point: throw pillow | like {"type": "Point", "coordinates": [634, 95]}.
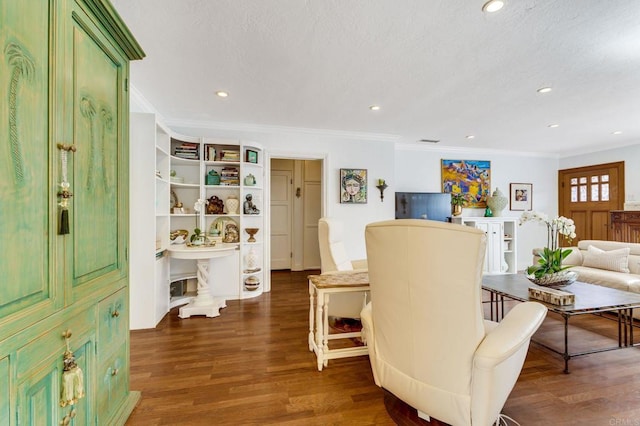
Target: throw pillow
{"type": "Point", "coordinates": [612, 260]}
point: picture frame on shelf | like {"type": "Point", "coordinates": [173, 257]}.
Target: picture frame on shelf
{"type": "Point", "coordinates": [353, 186]}
{"type": "Point", "coordinates": [520, 196]}
{"type": "Point", "coordinates": [251, 156]}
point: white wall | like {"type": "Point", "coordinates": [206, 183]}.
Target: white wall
{"type": "Point", "coordinates": [417, 169]}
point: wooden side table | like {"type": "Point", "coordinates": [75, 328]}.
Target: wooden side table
{"type": "Point", "coordinates": [321, 287]}
{"type": "Point", "coordinates": [204, 303]}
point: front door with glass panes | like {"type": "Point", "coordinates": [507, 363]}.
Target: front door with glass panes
{"type": "Point", "coordinates": [587, 194]}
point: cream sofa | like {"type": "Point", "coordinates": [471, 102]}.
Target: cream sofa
{"type": "Point", "coordinates": [607, 263]}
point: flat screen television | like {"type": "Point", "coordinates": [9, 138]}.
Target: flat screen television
{"type": "Point", "coordinates": [423, 205]}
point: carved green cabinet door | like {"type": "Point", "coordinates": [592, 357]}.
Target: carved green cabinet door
{"type": "Point", "coordinates": [28, 286]}
{"type": "Point", "coordinates": [99, 219]}
{"type": "Point", "coordinates": [38, 399]}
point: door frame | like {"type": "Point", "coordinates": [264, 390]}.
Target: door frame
{"type": "Point", "coordinates": [288, 155]}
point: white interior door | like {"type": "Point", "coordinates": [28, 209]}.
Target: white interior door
{"type": "Point", "coordinates": [281, 206]}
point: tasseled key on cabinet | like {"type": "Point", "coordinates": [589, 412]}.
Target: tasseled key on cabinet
{"type": "Point", "coordinates": [64, 193]}
{"type": "Point", "coordinates": [72, 388]}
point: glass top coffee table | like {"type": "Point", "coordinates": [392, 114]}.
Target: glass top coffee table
{"type": "Point", "coordinates": [589, 299]}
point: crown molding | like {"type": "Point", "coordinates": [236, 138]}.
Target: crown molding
{"type": "Point", "coordinates": [592, 149]}
{"type": "Point", "coordinates": [259, 128]}
{"type": "Point", "coordinates": [137, 98]}
{"type": "Point", "coordinates": [400, 146]}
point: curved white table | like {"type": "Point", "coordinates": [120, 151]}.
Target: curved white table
{"type": "Point", "coordinates": [204, 303]}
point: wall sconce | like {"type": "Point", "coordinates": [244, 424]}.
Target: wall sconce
{"type": "Point", "coordinates": [382, 185]}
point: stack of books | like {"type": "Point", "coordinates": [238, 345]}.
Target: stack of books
{"type": "Point", "coordinates": [187, 150]}
{"type": "Point", "coordinates": [229, 176]}
{"type": "Point", "coordinates": [229, 155]}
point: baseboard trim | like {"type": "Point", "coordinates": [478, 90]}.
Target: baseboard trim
{"type": "Point", "coordinates": [127, 407]}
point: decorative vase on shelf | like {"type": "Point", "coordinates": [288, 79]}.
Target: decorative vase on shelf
{"type": "Point", "coordinates": [232, 204]}
{"type": "Point", "coordinates": [250, 180]}
{"type": "Point", "coordinates": [251, 283]}
{"type": "Point", "coordinates": [497, 202]}
{"type": "Point", "coordinates": [251, 261]}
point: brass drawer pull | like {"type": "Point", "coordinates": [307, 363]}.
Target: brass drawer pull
{"type": "Point", "coordinates": [115, 314]}
{"type": "Point", "coordinates": [114, 372]}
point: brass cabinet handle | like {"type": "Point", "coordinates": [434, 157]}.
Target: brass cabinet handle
{"type": "Point", "coordinates": [114, 372]}
{"type": "Point", "coordinates": [115, 314]}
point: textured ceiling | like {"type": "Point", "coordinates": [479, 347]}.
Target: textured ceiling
{"type": "Point", "coordinates": [439, 69]}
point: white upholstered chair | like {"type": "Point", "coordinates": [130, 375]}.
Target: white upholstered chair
{"type": "Point", "coordinates": [334, 259]}
{"type": "Point", "coordinates": [428, 343]}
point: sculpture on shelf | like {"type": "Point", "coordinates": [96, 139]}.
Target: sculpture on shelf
{"type": "Point", "coordinates": [231, 234]}
{"type": "Point", "coordinates": [249, 207]}
{"type": "Point", "coordinates": [215, 206]}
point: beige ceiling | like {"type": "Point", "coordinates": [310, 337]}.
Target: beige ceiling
{"type": "Point", "coordinates": [439, 69]}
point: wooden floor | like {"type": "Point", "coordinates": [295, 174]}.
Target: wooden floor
{"type": "Point", "coordinates": [252, 366]}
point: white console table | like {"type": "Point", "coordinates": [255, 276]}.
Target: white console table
{"type": "Point", "coordinates": [321, 287]}
{"type": "Point", "coordinates": [204, 303]}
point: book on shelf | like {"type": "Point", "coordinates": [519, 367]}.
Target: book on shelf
{"type": "Point", "coordinates": [187, 150]}
{"type": "Point", "coordinates": [209, 153]}
{"type": "Point", "coordinates": [229, 155]}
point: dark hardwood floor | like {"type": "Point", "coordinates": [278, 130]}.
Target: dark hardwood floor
{"type": "Point", "coordinates": [252, 366]}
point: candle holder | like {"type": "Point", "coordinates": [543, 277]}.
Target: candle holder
{"type": "Point", "coordinates": [382, 187]}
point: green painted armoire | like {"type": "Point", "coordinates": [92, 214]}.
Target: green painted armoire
{"type": "Point", "coordinates": [64, 213]}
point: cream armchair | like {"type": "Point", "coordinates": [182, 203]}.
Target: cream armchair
{"type": "Point", "coordinates": [427, 340]}
{"type": "Point", "coordinates": [334, 259]}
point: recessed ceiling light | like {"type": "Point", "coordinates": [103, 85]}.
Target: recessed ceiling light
{"type": "Point", "coordinates": [553, 126]}
{"type": "Point", "coordinates": [470, 136]}
{"type": "Point", "coordinates": [493, 6]}
{"type": "Point", "coordinates": [544, 90]}
{"type": "Point", "coordinates": [374, 107]}
{"type": "Point", "coordinates": [617, 132]}
{"type": "Point", "coordinates": [222, 93]}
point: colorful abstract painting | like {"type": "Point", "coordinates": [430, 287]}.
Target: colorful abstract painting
{"type": "Point", "coordinates": [472, 178]}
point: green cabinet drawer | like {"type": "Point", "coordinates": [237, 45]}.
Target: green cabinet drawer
{"type": "Point", "coordinates": [51, 343]}
{"type": "Point", "coordinates": [113, 384]}
{"type": "Point", "coordinates": [112, 323]}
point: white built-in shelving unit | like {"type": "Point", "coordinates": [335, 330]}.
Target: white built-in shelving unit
{"type": "Point", "coordinates": [501, 256]}
{"type": "Point", "coordinates": [176, 178]}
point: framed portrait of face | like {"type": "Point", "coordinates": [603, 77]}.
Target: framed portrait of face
{"type": "Point", "coordinates": [353, 186]}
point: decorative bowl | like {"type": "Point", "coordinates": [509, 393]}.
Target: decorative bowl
{"type": "Point", "coordinates": [251, 232]}
{"type": "Point", "coordinates": [558, 279]}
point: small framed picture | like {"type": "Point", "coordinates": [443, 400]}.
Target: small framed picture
{"type": "Point", "coordinates": [353, 186]}
{"type": "Point", "coordinates": [251, 156]}
{"type": "Point", "coordinates": [521, 196]}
